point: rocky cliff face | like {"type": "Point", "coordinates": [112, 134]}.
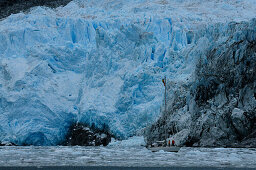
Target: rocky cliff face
{"type": "Point", "coordinates": [83, 135]}
{"type": "Point", "coordinates": [218, 108]}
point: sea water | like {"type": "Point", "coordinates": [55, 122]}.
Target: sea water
{"type": "Point", "coordinates": [126, 156]}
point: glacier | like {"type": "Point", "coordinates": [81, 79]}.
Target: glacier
{"type": "Point", "coordinates": [101, 62]}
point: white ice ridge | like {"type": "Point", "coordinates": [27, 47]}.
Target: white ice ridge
{"type": "Point", "coordinates": [99, 62]}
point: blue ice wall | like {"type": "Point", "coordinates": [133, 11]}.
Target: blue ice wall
{"type": "Point", "coordinates": [56, 69]}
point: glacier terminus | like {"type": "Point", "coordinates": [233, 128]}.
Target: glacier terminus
{"type": "Point", "coordinates": [102, 62]}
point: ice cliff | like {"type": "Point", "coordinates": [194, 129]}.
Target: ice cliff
{"type": "Point", "coordinates": [102, 62]}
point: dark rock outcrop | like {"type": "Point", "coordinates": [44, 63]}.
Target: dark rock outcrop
{"type": "Point", "coordinates": [8, 7]}
{"type": "Point", "coordinates": [81, 135]}
{"type": "Point", "coordinates": [219, 107]}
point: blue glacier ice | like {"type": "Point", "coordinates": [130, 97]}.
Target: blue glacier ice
{"type": "Point", "coordinates": [100, 62]}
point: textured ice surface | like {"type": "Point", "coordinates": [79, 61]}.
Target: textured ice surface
{"type": "Point", "coordinates": [98, 62]}
{"type": "Point", "coordinates": [134, 141]}
{"type": "Point", "coordinates": [132, 156]}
